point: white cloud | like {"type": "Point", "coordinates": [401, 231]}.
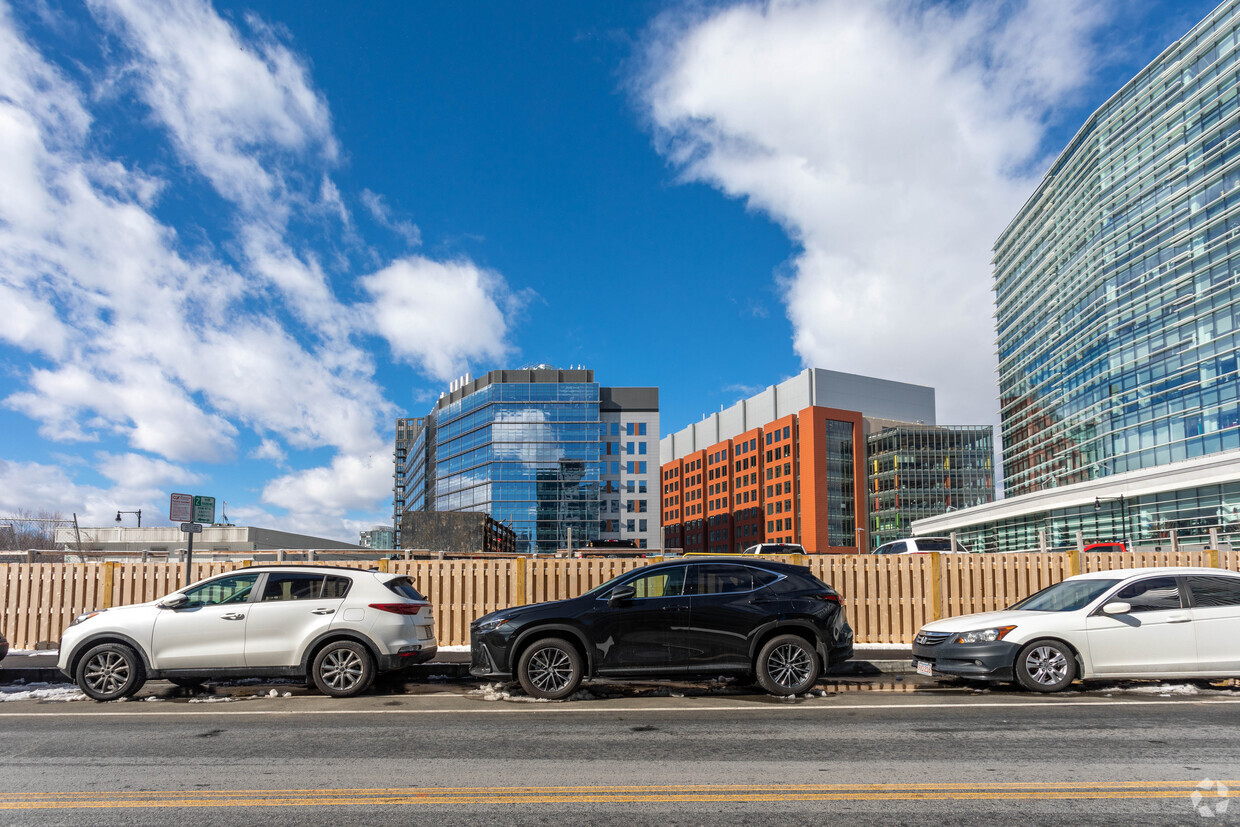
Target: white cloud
{"type": "Point", "coordinates": [382, 213]}
{"type": "Point", "coordinates": [893, 141]}
{"type": "Point", "coordinates": [170, 349]}
{"type": "Point", "coordinates": [441, 316]}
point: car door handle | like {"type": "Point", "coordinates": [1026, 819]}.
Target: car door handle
{"type": "Point", "coordinates": [1178, 619]}
{"type": "Point", "coordinates": [233, 616]}
{"type": "Point", "coordinates": [323, 612]}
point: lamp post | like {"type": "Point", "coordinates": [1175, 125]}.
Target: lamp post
{"type": "Point", "coordinates": [1123, 510]}
{"type": "Point", "coordinates": [138, 513]}
{"type": "Point", "coordinates": [860, 540]}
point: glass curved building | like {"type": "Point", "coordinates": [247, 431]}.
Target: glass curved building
{"type": "Point", "coordinates": [1118, 283]}
{"type": "Point", "coordinates": [1118, 316]}
{"type": "Point", "coordinates": [546, 452]}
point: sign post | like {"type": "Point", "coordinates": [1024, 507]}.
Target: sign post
{"type": "Point", "coordinates": [189, 511]}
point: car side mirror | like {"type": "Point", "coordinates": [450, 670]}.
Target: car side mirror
{"type": "Point", "coordinates": [621, 594]}
{"type": "Point", "coordinates": [173, 601]}
{"type": "Point", "coordinates": [1117, 608]}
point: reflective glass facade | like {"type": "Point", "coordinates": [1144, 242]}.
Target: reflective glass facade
{"type": "Point", "coordinates": [1118, 284]}
{"type": "Point", "coordinates": [841, 500]}
{"type": "Point", "coordinates": [543, 451]}
{"type": "Point", "coordinates": [1143, 521]}
{"type": "Point", "coordinates": [918, 472]}
{"type": "Point", "coordinates": [528, 455]}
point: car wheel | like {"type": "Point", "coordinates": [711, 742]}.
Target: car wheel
{"type": "Point", "coordinates": [343, 669]}
{"type": "Point", "coordinates": [1045, 666]}
{"type": "Point", "coordinates": [550, 668]}
{"type": "Point", "coordinates": [110, 671]}
{"type": "Point", "coordinates": [787, 665]}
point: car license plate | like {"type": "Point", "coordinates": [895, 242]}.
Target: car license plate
{"type": "Point", "coordinates": [924, 667]}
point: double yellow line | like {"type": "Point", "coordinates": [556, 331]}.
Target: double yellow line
{"type": "Point", "coordinates": [659, 794]}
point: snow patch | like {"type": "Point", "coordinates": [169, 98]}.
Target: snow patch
{"type": "Point", "coordinates": [213, 699]}
{"type": "Point", "coordinates": [42, 692]}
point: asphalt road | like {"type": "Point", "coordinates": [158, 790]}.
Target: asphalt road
{"type": "Point", "coordinates": [891, 752]}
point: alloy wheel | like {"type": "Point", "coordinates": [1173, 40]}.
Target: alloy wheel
{"type": "Point", "coordinates": [789, 665]}
{"type": "Point", "coordinates": [550, 669]}
{"type": "Point", "coordinates": [1046, 665]}
{"type": "Point", "coordinates": [107, 672]}
{"type": "Point", "coordinates": [342, 669]}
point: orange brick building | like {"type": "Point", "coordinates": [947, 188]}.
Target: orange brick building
{"type": "Point", "coordinates": [797, 479]}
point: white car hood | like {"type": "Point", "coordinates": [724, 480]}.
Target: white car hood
{"type": "Point", "coordinates": [983, 620]}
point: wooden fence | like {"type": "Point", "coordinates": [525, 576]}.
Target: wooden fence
{"type": "Point", "coordinates": [887, 598]}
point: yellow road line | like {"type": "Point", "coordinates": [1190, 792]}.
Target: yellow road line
{"type": "Point", "coordinates": [742, 793]}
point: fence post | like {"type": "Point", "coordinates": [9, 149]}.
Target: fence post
{"type": "Point", "coordinates": [1042, 541]}
{"type": "Point", "coordinates": [1074, 562]}
{"type": "Point", "coordinates": [109, 577]}
{"type": "Point", "coordinates": [1213, 559]}
{"type": "Point", "coordinates": [520, 564]}
{"type": "Point", "coordinates": [952, 537]}
{"type": "Point", "coordinates": [1214, 537]}
{"type": "Point", "coordinates": [383, 565]}
{"type": "Point", "coordinates": [1175, 542]}
{"type": "Point", "coordinates": [936, 585]}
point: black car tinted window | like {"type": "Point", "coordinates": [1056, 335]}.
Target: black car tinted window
{"type": "Point", "coordinates": [720, 579]}
{"type": "Point", "coordinates": [934, 545]}
{"type": "Point", "coordinates": [660, 583]}
{"type": "Point", "coordinates": [1215, 590]}
{"type": "Point", "coordinates": [402, 586]}
{"type": "Point", "coordinates": [762, 577]}
{"type": "Point", "coordinates": [1151, 595]}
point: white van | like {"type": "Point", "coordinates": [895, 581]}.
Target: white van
{"type": "Point", "coordinates": [921, 545]}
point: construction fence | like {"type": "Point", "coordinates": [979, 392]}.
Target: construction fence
{"type": "Point", "coordinates": [887, 598]}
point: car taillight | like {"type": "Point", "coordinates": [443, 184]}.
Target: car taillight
{"type": "Point", "coordinates": [399, 608]}
{"type": "Point", "coordinates": [830, 597]}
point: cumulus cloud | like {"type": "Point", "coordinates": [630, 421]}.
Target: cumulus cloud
{"type": "Point", "coordinates": [441, 316]}
{"type": "Point", "coordinates": [174, 349]}
{"type": "Point", "coordinates": [893, 141]}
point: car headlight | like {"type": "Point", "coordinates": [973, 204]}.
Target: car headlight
{"type": "Point", "coordinates": [86, 616]}
{"type": "Point", "coordinates": [983, 635]}
{"type": "Point", "coordinates": [487, 624]}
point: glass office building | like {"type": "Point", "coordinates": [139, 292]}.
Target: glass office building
{"type": "Point", "coordinates": [1118, 283]}
{"type": "Point", "coordinates": [1118, 315]}
{"type": "Point", "coordinates": [531, 448]}
{"type": "Point", "coordinates": [921, 471]}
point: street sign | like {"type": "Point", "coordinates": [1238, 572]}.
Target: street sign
{"type": "Point", "coordinates": [191, 528]}
{"type": "Point", "coordinates": [182, 508]}
{"type": "Point", "coordinates": [204, 509]}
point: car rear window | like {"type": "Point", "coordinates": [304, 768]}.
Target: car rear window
{"type": "Point", "coordinates": [404, 587]}
{"type": "Point", "coordinates": [934, 545]}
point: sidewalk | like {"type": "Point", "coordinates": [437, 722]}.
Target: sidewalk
{"type": "Point", "coordinates": [40, 667]}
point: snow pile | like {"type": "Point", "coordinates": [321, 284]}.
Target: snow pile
{"type": "Point", "coordinates": [42, 692]}
{"type": "Point", "coordinates": [499, 692]}
{"type": "Point", "coordinates": [212, 699]}
{"type": "Point", "coordinates": [1165, 690]}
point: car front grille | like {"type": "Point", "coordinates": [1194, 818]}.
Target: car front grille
{"type": "Point", "coordinates": [931, 638]}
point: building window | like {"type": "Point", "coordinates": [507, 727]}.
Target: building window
{"type": "Point", "coordinates": [641, 448]}
{"type": "Point", "coordinates": [641, 428]}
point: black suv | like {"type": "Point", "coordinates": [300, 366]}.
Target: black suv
{"type": "Point", "coordinates": [708, 616]}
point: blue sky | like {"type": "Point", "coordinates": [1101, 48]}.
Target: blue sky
{"type": "Point", "coordinates": [238, 239]}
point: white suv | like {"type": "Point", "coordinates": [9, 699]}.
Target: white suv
{"type": "Point", "coordinates": [337, 627]}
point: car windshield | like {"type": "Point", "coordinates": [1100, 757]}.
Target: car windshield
{"type": "Point", "coordinates": [1067, 596]}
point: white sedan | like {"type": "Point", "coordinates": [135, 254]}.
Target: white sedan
{"type": "Point", "coordinates": [1132, 623]}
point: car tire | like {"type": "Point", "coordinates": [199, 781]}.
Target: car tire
{"type": "Point", "coordinates": [1045, 666]}
{"type": "Point", "coordinates": [787, 665]}
{"type": "Point", "coordinates": [109, 672]}
{"type": "Point", "coordinates": [550, 668]}
{"type": "Point", "coordinates": [343, 668]}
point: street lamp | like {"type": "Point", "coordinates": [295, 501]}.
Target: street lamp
{"type": "Point", "coordinates": [1123, 510]}
{"type": "Point", "coordinates": [138, 513]}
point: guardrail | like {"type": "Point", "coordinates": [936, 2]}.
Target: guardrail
{"type": "Point", "coordinates": [887, 598]}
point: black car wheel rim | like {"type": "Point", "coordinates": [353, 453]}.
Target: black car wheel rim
{"type": "Point", "coordinates": [550, 670]}
{"type": "Point", "coordinates": [342, 669]}
{"type": "Point", "coordinates": [107, 672]}
{"type": "Point", "coordinates": [1046, 665]}
{"type": "Point", "coordinates": [789, 665]}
